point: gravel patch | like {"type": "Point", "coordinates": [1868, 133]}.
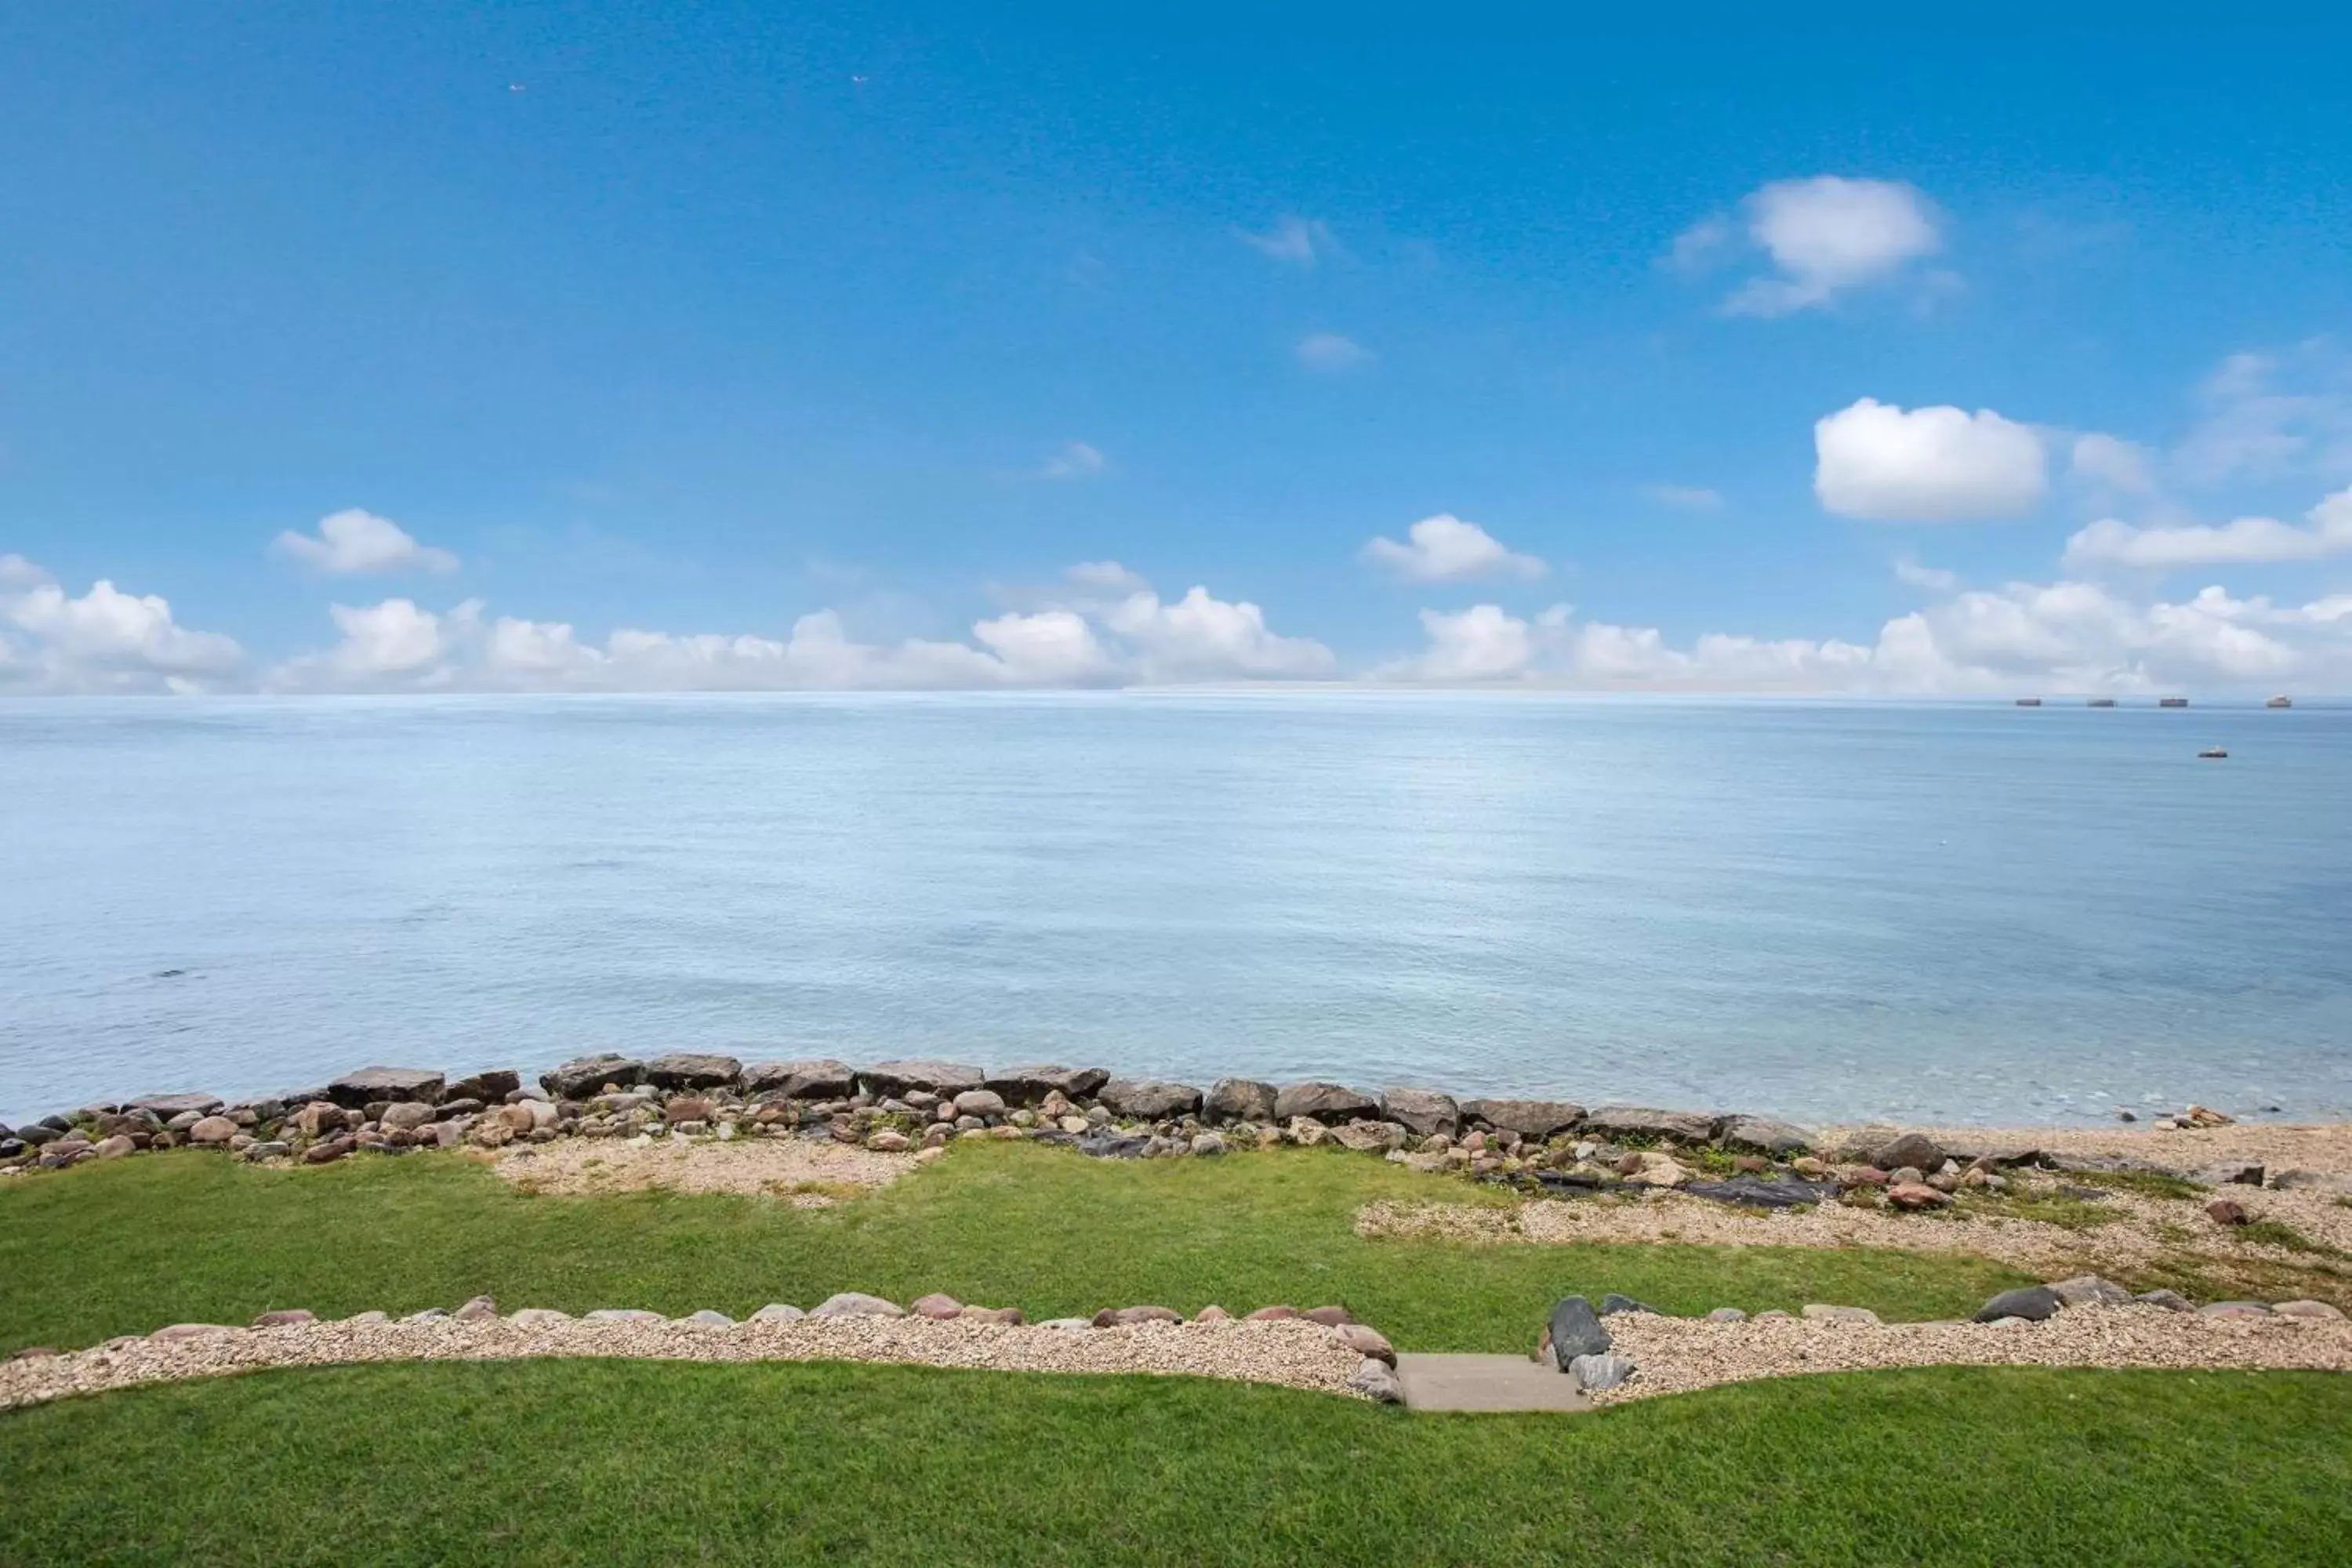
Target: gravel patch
{"type": "Point", "coordinates": [2317, 1148]}
{"type": "Point", "coordinates": [1675, 1355]}
{"type": "Point", "coordinates": [1294, 1354]}
{"type": "Point", "coordinates": [806, 1173]}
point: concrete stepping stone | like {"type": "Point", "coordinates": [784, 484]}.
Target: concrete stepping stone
{"type": "Point", "coordinates": [1486, 1382]}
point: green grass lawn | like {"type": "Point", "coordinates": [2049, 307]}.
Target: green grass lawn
{"type": "Point", "coordinates": [628, 1462]}
{"type": "Point", "coordinates": [128, 1245]}
{"type": "Point", "coordinates": [580, 1461]}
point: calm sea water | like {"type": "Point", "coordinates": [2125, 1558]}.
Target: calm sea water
{"type": "Point", "coordinates": [1821, 910]}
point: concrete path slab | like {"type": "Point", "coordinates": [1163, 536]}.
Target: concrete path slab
{"type": "Point", "coordinates": [1486, 1382]}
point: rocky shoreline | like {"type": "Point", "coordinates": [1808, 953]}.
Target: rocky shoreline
{"type": "Point", "coordinates": [1556, 1147]}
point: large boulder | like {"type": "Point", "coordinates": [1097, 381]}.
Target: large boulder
{"type": "Point", "coordinates": [1536, 1118]}
{"type": "Point", "coordinates": [886, 1080]}
{"type": "Point", "coordinates": [1614, 1122]}
{"type": "Point", "coordinates": [2034, 1303]}
{"type": "Point", "coordinates": [857, 1304]}
{"type": "Point", "coordinates": [1030, 1084]}
{"type": "Point", "coordinates": [693, 1069]}
{"type": "Point", "coordinates": [1915, 1150]}
{"type": "Point", "coordinates": [1575, 1329]}
{"type": "Point", "coordinates": [356, 1090]}
{"type": "Point", "coordinates": [213, 1132]}
{"type": "Point", "coordinates": [1148, 1100]}
{"type": "Point", "coordinates": [816, 1079]}
{"type": "Point", "coordinates": [1328, 1102]}
{"type": "Point", "coordinates": [166, 1106]}
{"type": "Point", "coordinates": [583, 1076]}
{"type": "Point", "coordinates": [1762, 1135]}
{"type": "Point", "coordinates": [1420, 1111]}
{"type": "Point", "coordinates": [1240, 1099]}
{"type": "Point", "coordinates": [490, 1086]}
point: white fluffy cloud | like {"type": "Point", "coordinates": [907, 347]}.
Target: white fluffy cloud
{"type": "Point", "coordinates": [1446, 548]}
{"type": "Point", "coordinates": [352, 542]}
{"type": "Point", "coordinates": [1825, 236]}
{"type": "Point", "coordinates": [1935, 579]}
{"type": "Point", "coordinates": [2249, 541]}
{"type": "Point", "coordinates": [1331, 352]}
{"type": "Point", "coordinates": [2025, 637]}
{"type": "Point", "coordinates": [1877, 461]}
{"type": "Point", "coordinates": [2263, 416]}
{"type": "Point", "coordinates": [1202, 638]}
{"type": "Point", "coordinates": [106, 640]}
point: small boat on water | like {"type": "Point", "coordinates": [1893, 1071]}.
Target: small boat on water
{"type": "Point", "coordinates": [2279, 702]}
{"type": "Point", "coordinates": [2029, 702]}
{"type": "Point", "coordinates": [2213, 753]}
{"type": "Point", "coordinates": [2102, 702]}
{"type": "Point", "coordinates": [2172, 703]}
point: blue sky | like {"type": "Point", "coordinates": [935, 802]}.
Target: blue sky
{"type": "Point", "coordinates": [695, 322]}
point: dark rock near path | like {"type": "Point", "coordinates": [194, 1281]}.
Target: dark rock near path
{"type": "Point", "coordinates": [1536, 1118]}
{"type": "Point", "coordinates": [494, 1083]}
{"type": "Point", "coordinates": [885, 1079]}
{"type": "Point", "coordinates": [1762, 1135]}
{"type": "Point", "coordinates": [1149, 1098]}
{"type": "Point", "coordinates": [38, 1134]}
{"type": "Point", "coordinates": [693, 1069]}
{"type": "Point", "coordinates": [1328, 1102]}
{"type": "Point", "coordinates": [1913, 1149]}
{"type": "Point", "coordinates": [2170, 1300]}
{"type": "Point", "coordinates": [1031, 1084]}
{"type": "Point", "coordinates": [819, 1077]}
{"type": "Point", "coordinates": [1641, 1122]}
{"type": "Point", "coordinates": [1240, 1099]}
{"type": "Point", "coordinates": [1575, 1329]}
{"type": "Point", "coordinates": [2034, 1303]}
{"type": "Point", "coordinates": [166, 1106]}
{"type": "Point", "coordinates": [1568, 1182]}
{"type": "Point", "coordinates": [1422, 1111]}
{"type": "Point", "coordinates": [583, 1076]}
{"type": "Point", "coordinates": [353, 1090]}
{"type": "Point", "coordinates": [1613, 1303]}
{"type": "Point", "coordinates": [1756, 1193]}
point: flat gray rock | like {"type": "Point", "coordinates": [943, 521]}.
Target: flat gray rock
{"type": "Point", "coordinates": [1576, 1330]}
{"type": "Point", "coordinates": [1536, 1118]}
{"type": "Point", "coordinates": [1240, 1099]}
{"type": "Point", "coordinates": [1423, 1112]}
{"type": "Point", "coordinates": [489, 1086]}
{"type": "Point", "coordinates": [1148, 1100]}
{"type": "Point", "coordinates": [356, 1090]}
{"type": "Point", "coordinates": [1762, 1135]}
{"type": "Point", "coordinates": [857, 1304]}
{"type": "Point", "coordinates": [1323, 1102]}
{"type": "Point", "coordinates": [819, 1077]}
{"type": "Point", "coordinates": [583, 1076]}
{"type": "Point", "coordinates": [885, 1079]}
{"type": "Point", "coordinates": [1599, 1373]}
{"type": "Point", "coordinates": [1028, 1085]}
{"type": "Point", "coordinates": [1642, 1122]}
{"type": "Point", "coordinates": [2034, 1303]}
{"type": "Point", "coordinates": [693, 1069]}
{"type": "Point", "coordinates": [166, 1106]}
{"type": "Point", "coordinates": [1484, 1383]}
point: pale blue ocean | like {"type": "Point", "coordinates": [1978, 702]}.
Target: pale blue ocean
{"type": "Point", "coordinates": [1933, 913]}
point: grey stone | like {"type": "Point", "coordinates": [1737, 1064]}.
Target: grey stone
{"type": "Point", "coordinates": [1028, 1085]}
{"type": "Point", "coordinates": [693, 1069]}
{"type": "Point", "coordinates": [1536, 1118]}
{"type": "Point", "coordinates": [2313, 1311]}
{"type": "Point", "coordinates": [37, 1134]}
{"type": "Point", "coordinates": [2089, 1289]}
{"type": "Point", "coordinates": [1914, 1149]}
{"type": "Point", "coordinates": [980, 1102]}
{"type": "Point", "coordinates": [353, 1090]}
{"type": "Point", "coordinates": [1575, 1329]}
{"type": "Point", "coordinates": [624, 1315]}
{"type": "Point", "coordinates": [1370, 1137]}
{"type": "Point", "coordinates": [1726, 1315]}
{"type": "Point", "coordinates": [213, 1132]}
{"type": "Point", "coordinates": [819, 1077]}
{"type": "Point", "coordinates": [491, 1083]}
{"type": "Point", "coordinates": [1762, 1135]}
{"type": "Point", "coordinates": [165, 1106]}
{"type": "Point", "coordinates": [2170, 1300]}
{"type": "Point", "coordinates": [477, 1309]}
{"type": "Point", "coordinates": [2235, 1310]}
{"type": "Point", "coordinates": [1643, 1122]}
{"type": "Point", "coordinates": [938, 1078]}
{"type": "Point", "coordinates": [1423, 1111]}
{"type": "Point", "coordinates": [583, 1076]}
{"type": "Point", "coordinates": [269, 1150]}
{"type": "Point", "coordinates": [2302, 1181]}
{"type": "Point", "coordinates": [1818, 1312]}
{"type": "Point", "coordinates": [857, 1304]}
{"type": "Point", "coordinates": [2234, 1173]}
{"type": "Point", "coordinates": [777, 1312]}
{"type": "Point", "coordinates": [1323, 1102]}
{"type": "Point", "coordinates": [1150, 1100]}
{"type": "Point", "coordinates": [1375, 1379]}
{"type": "Point", "coordinates": [406, 1116]}
{"type": "Point", "coordinates": [2034, 1303]}
{"type": "Point", "coordinates": [1208, 1143]}
{"type": "Point", "coordinates": [1613, 1303]}
{"type": "Point", "coordinates": [1598, 1374]}
{"type": "Point", "coordinates": [708, 1319]}
{"type": "Point", "coordinates": [1241, 1100]}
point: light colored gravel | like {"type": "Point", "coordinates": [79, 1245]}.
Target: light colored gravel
{"type": "Point", "coordinates": [1295, 1353]}
{"type": "Point", "coordinates": [1675, 1355]}
{"type": "Point", "coordinates": [2142, 1230]}
{"type": "Point", "coordinates": [805, 1172]}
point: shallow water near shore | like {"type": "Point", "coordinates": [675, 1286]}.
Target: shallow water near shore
{"type": "Point", "coordinates": [1828, 910]}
